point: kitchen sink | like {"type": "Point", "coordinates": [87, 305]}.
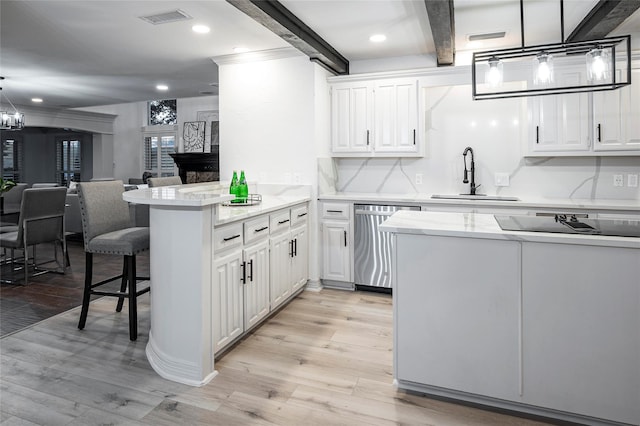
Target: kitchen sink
{"type": "Point", "coordinates": [474, 197]}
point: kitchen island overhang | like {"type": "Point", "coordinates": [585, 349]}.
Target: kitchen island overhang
{"type": "Point", "coordinates": [182, 223]}
{"type": "Point", "coordinates": [539, 323]}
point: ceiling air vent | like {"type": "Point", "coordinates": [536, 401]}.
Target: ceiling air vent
{"type": "Point", "coordinates": [166, 17]}
{"type": "Point", "coordinates": [486, 36]}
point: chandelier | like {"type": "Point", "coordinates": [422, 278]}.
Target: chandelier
{"type": "Point", "coordinates": [602, 64]}
{"type": "Point", "coordinates": [10, 120]}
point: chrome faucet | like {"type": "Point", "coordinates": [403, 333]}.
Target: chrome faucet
{"type": "Point", "coordinates": [465, 179]}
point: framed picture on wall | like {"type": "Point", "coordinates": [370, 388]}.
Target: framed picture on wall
{"type": "Point", "coordinates": [193, 136]}
{"type": "Point", "coordinates": [211, 118]}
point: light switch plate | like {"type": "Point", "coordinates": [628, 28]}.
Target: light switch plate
{"type": "Point", "coordinates": [632, 180]}
{"type": "Point", "coordinates": [618, 180]}
{"type": "Point", "coordinates": [501, 179]}
{"type": "Point", "coordinates": [418, 178]}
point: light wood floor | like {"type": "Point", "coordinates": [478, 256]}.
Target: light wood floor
{"type": "Point", "coordinates": [326, 359]}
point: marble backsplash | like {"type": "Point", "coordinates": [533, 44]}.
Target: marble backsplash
{"type": "Point", "coordinates": [575, 178]}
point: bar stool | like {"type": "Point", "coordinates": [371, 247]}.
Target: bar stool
{"type": "Point", "coordinates": [164, 181]}
{"type": "Point", "coordinates": [107, 229]}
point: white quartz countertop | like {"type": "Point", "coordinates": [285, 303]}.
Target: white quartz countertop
{"type": "Point", "coordinates": [524, 202]}
{"type": "Point", "coordinates": [194, 195]}
{"type": "Point", "coordinates": [270, 203]}
{"type": "Point", "coordinates": [480, 225]}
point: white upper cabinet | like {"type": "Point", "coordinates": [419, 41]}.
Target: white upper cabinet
{"type": "Point", "coordinates": [396, 116]}
{"type": "Point", "coordinates": [586, 124]}
{"type": "Point", "coordinates": [616, 117]}
{"type": "Point", "coordinates": [351, 117]}
{"type": "Point", "coordinates": [375, 118]}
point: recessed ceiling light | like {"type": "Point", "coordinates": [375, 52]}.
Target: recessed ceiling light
{"type": "Point", "coordinates": [36, 100]}
{"type": "Point", "coordinates": [162, 87]}
{"type": "Point", "coordinates": [240, 49]}
{"type": "Point", "coordinates": [200, 29]}
{"type": "Point", "coordinates": [378, 38]}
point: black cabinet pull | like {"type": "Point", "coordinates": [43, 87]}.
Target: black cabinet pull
{"type": "Point", "coordinates": [333, 211]}
{"type": "Point", "coordinates": [231, 238]}
{"type": "Point", "coordinates": [295, 247]}
{"type": "Point", "coordinates": [290, 248]}
{"type": "Point", "coordinates": [243, 280]}
{"type": "Point", "coordinates": [251, 270]}
{"type": "Point", "coordinates": [367, 137]}
{"type": "Point", "coordinates": [261, 229]}
{"type": "Point", "coordinates": [280, 222]}
{"type": "Point", "coordinates": [345, 238]}
{"type": "Point", "coordinates": [304, 214]}
{"type": "Point", "coordinates": [599, 133]}
{"type": "Point", "coordinates": [537, 134]}
{"type": "Point", "coordinates": [414, 136]}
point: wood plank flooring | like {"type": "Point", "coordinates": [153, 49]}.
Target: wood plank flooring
{"type": "Point", "coordinates": [50, 294]}
{"type": "Point", "coordinates": [325, 359]}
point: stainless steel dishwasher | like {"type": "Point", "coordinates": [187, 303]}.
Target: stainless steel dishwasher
{"type": "Point", "coordinates": [372, 248]}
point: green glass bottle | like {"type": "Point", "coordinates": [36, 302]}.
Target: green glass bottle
{"type": "Point", "coordinates": [243, 189]}
{"type": "Point", "coordinates": [233, 188]}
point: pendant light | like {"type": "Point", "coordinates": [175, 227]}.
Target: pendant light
{"type": "Point", "coordinates": [10, 120]}
{"type": "Point", "coordinates": [542, 68]}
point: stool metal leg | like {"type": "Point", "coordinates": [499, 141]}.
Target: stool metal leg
{"type": "Point", "coordinates": [123, 285]}
{"type": "Point", "coordinates": [86, 296]}
{"type": "Point", "coordinates": [133, 312]}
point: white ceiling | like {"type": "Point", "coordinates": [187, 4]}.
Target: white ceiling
{"type": "Point", "coordinates": [87, 53]}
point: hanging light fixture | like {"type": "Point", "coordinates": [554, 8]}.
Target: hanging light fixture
{"type": "Point", "coordinates": [608, 66]}
{"type": "Point", "coordinates": [10, 120]}
{"type": "Point", "coordinates": [494, 74]}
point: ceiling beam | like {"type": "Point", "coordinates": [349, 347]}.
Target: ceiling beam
{"type": "Point", "coordinates": [443, 29]}
{"type": "Point", "coordinates": [273, 15]}
{"type": "Point", "coordinates": [605, 17]}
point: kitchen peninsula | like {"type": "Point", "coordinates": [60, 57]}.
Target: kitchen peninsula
{"type": "Point", "coordinates": [536, 322]}
{"type": "Point", "coordinates": [199, 298]}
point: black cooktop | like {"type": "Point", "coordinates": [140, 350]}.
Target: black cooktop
{"type": "Point", "coordinates": [567, 224]}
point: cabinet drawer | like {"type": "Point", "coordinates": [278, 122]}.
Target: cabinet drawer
{"type": "Point", "coordinates": [335, 211]}
{"type": "Point", "coordinates": [256, 229]}
{"type": "Point", "coordinates": [299, 215]}
{"type": "Point", "coordinates": [227, 236]}
{"type": "Point", "coordinates": [279, 221]}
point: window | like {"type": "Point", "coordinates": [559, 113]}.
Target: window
{"type": "Point", "coordinates": [68, 160]}
{"type": "Point", "coordinates": [11, 158]}
{"type": "Point", "coordinates": [163, 112]}
{"type": "Point", "coordinates": [157, 147]}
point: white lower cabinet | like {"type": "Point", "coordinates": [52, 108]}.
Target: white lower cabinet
{"type": "Point", "coordinates": [256, 283]}
{"type": "Point", "coordinates": [456, 323]}
{"type": "Point", "coordinates": [581, 316]}
{"type": "Point", "coordinates": [258, 265]}
{"type": "Point", "coordinates": [227, 300]}
{"type": "Point", "coordinates": [336, 228]}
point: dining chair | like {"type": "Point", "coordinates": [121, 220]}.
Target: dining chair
{"type": "Point", "coordinates": [41, 220]}
{"type": "Point", "coordinates": [106, 226]}
{"type": "Point", "coordinates": [164, 181]}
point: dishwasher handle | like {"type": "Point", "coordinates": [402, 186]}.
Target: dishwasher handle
{"type": "Point", "coordinates": [374, 213]}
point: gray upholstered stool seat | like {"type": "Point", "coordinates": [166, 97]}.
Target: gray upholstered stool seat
{"type": "Point", "coordinates": [106, 228]}
{"type": "Point", "coordinates": [8, 228]}
{"type": "Point", "coordinates": [125, 242]}
{"type": "Point", "coordinates": [164, 181]}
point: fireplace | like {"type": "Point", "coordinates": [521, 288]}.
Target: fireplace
{"type": "Point", "coordinates": [195, 167]}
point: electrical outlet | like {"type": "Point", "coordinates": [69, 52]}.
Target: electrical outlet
{"type": "Point", "coordinates": [618, 180]}
{"type": "Point", "coordinates": [296, 178]}
{"type": "Point", "coordinates": [418, 178]}
{"type": "Point", "coordinates": [501, 179]}
{"type": "Point", "coordinates": [632, 180]}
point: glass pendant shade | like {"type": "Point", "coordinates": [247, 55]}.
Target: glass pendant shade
{"type": "Point", "coordinates": [598, 68]}
{"type": "Point", "coordinates": [543, 69]}
{"type": "Point", "coordinates": [494, 74]}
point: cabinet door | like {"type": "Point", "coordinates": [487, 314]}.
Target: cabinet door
{"type": "Point", "coordinates": [616, 117]}
{"type": "Point", "coordinates": [256, 288]}
{"type": "Point", "coordinates": [335, 251]}
{"type": "Point", "coordinates": [300, 238]}
{"type": "Point", "coordinates": [580, 322]}
{"type": "Point", "coordinates": [351, 117]}
{"type": "Point", "coordinates": [396, 116]}
{"type": "Point", "coordinates": [560, 122]}
{"type": "Point", "coordinates": [280, 269]}
{"type": "Point", "coordinates": [227, 320]}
